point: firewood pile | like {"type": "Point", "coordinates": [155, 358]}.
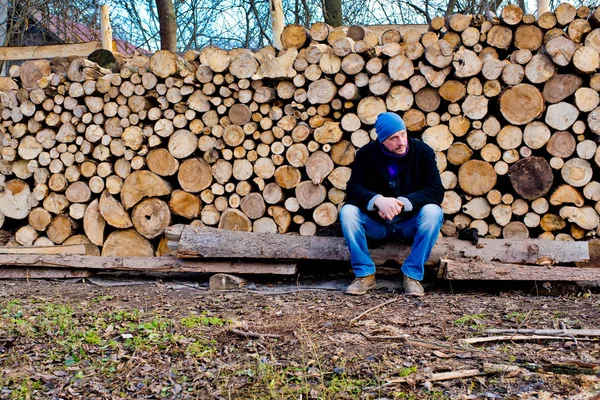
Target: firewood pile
{"type": "Point", "coordinates": [262, 141]}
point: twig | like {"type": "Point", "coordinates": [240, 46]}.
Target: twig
{"type": "Point", "coordinates": [414, 342]}
{"type": "Point", "coordinates": [487, 369]}
{"type": "Point", "coordinates": [373, 309]}
{"type": "Point", "coordinates": [523, 322]}
{"type": "Point", "coordinates": [253, 335]}
{"type": "Point", "coordinates": [515, 338]}
{"type": "Point", "coordinates": [551, 332]}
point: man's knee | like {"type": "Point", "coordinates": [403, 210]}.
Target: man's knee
{"type": "Point", "coordinates": [431, 216]}
{"type": "Point", "coordinates": [349, 215]}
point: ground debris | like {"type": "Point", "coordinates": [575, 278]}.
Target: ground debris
{"type": "Point", "coordinates": [78, 340]}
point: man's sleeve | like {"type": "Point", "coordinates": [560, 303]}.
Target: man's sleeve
{"type": "Point", "coordinates": [433, 190]}
{"type": "Point", "coordinates": [356, 190]}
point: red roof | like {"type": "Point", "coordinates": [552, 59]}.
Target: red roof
{"type": "Point", "coordinates": [74, 32]}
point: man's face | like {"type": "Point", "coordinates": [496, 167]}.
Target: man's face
{"type": "Point", "coordinates": [397, 143]}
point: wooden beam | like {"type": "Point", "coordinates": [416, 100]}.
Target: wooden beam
{"type": "Point", "coordinates": [49, 51]}
{"type": "Point", "coordinates": [216, 243]}
{"type": "Point", "coordinates": [147, 264]}
{"type": "Point", "coordinates": [81, 249]}
{"type": "Point", "coordinates": [494, 271]}
{"type": "Point", "coordinates": [42, 273]}
{"type": "Point", "coordinates": [107, 41]}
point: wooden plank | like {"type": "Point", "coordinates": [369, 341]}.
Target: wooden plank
{"type": "Point", "coordinates": [148, 264]}
{"type": "Point", "coordinates": [68, 249]}
{"type": "Point", "coordinates": [42, 273]}
{"type": "Point", "coordinates": [49, 51]}
{"type": "Point", "coordinates": [594, 261]}
{"type": "Point", "coordinates": [198, 242]}
{"type": "Point", "coordinates": [493, 271]}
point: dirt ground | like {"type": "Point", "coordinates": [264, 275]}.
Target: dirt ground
{"type": "Point", "coordinates": [173, 338]}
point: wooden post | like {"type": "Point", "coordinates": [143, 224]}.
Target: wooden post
{"type": "Point", "coordinates": [3, 31]}
{"type": "Point", "coordinates": [277, 21]}
{"type": "Point", "coordinates": [542, 7]}
{"type": "Point", "coordinates": [107, 43]}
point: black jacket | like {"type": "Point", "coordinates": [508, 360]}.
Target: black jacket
{"type": "Point", "coordinates": [419, 181]}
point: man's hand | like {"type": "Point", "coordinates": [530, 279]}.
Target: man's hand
{"type": "Point", "coordinates": [388, 207]}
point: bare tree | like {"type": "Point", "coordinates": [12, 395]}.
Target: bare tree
{"type": "Point", "coordinates": [332, 9]}
{"type": "Point", "coordinates": [168, 24]}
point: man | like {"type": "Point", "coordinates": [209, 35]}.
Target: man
{"type": "Point", "coordinates": [394, 191]}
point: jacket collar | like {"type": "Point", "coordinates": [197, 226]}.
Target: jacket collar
{"type": "Point", "coordinates": [381, 157]}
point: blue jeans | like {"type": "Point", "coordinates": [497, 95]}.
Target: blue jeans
{"type": "Point", "coordinates": [423, 227]}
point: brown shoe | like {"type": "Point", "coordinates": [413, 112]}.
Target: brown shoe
{"type": "Point", "coordinates": [362, 285]}
{"type": "Point", "coordinates": [413, 287]}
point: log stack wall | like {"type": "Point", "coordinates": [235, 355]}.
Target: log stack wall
{"type": "Point", "coordinates": [262, 141]}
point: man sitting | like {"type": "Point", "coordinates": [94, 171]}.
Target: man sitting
{"type": "Point", "coordinates": [395, 191]}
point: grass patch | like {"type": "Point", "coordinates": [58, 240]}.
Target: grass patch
{"type": "Point", "coordinates": [473, 321]}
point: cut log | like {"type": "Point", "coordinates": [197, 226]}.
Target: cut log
{"type": "Point", "coordinates": [529, 37]}
{"type": "Point", "coordinates": [452, 91]}
{"type": "Point", "coordinates": [561, 116]}
{"type": "Point", "coordinates": [325, 214]}
{"type": "Point", "coordinates": [561, 86]}
{"type": "Point", "coordinates": [14, 199]}
{"type": "Point", "coordinates": [142, 184]}
{"type": "Point", "coordinates": [552, 222]}
{"type": "Point", "coordinates": [539, 69]}
{"type": "Point", "coordinates": [113, 212]}
{"type": "Point", "coordinates": [60, 229]}
{"type": "Point", "coordinates": [585, 217]}
{"type": "Point", "coordinates": [321, 91]}
{"type": "Point", "coordinates": [493, 271]}
{"type": "Point", "coordinates": [476, 177]}
{"type": "Point", "coordinates": [94, 223]}
{"type": "Point", "coordinates": [400, 68]}
{"type": "Point", "coordinates": [318, 166]}
{"type": "Point", "coordinates": [161, 162]}
{"type": "Point", "coordinates": [536, 135]}
{"type": "Point", "coordinates": [576, 172]}
{"type": "Point", "coordinates": [586, 59]}
{"type": "Point", "coordinates": [150, 217]}
{"type": "Point", "coordinates": [235, 220]}
{"type": "Point", "coordinates": [500, 37]}
{"type": "Point", "coordinates": [309, 195]}
{"type": "Point", "coordinates": [521, 104]}
{"type": "Point", "coordinates": [164, 64]}
{"type": "Point", "coordinates": [566, 194]}
{"type": "Point", "coordinates": [213, 243]}
{"type": "Point", "coordinates": [561, 50]}
{"type": "Point", "coordinates": [427, 99]}
{"type": "Point", "coordinates": [466, 63]}
{"type": "Point", "coordinates": [438, 137]}
{"type": "Point", "coordinates": [294, 36]}
{"type": "Point", "coordinates": [586, 99]}
{"type": "Point", "coordinates": [125, 243]}
{"type": "Point", "coordinates": [515, 230]}
{"type": "Point", "coordinates": [531, 177]}
{"type": "Point", "coordinates": [194, 175]}
{"type": "Point", "coordinates": [561, 144]}
{"type": "Point", "coordinates": [82, 69]}
{"type": "Point", "coordinates": [253, 205]}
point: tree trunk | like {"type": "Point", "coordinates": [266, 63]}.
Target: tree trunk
{"type": "Point", "coordinates": [332, 10]}
{"type": "Point", "coordinates": [168, 25]}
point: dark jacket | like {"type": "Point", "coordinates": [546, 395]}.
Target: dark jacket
{"type": "Point", "coordinates": [419, 179]}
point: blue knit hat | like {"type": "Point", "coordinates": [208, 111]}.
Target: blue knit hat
{"type": "Point", "coordinates": [387, 124]}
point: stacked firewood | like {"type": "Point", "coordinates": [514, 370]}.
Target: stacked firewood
{"type": "Point", "coordinates": [263, 140]}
